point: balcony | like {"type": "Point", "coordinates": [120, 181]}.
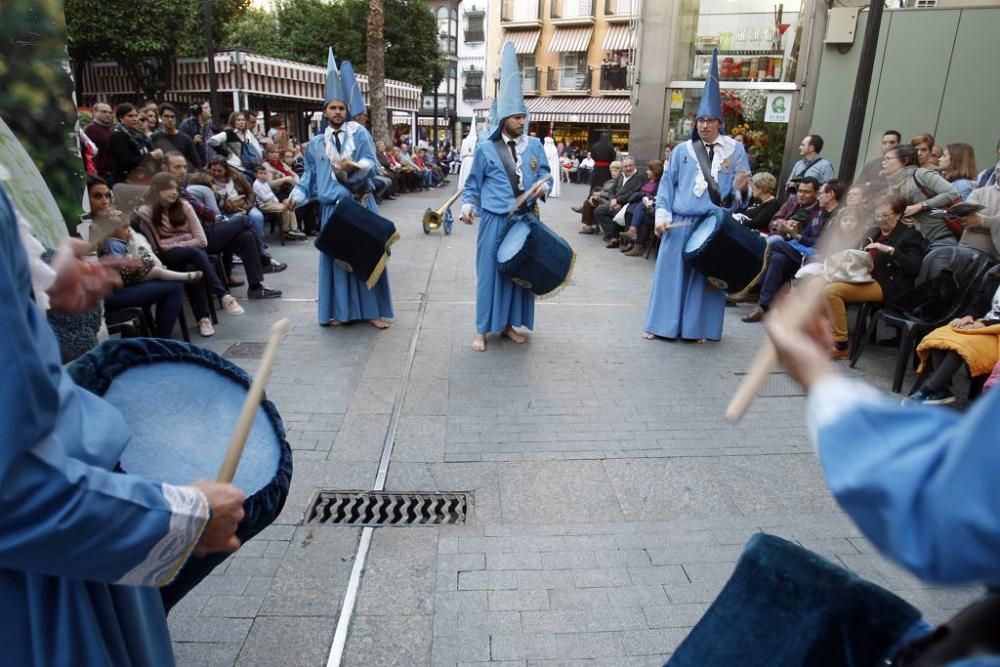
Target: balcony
{"type": "Point", "coordinates": [521, 13]}
{"type": "Point", "coordinates": [475, 36]}
{"type": "Point", "coordinates": [568, 81]}
{"type": "Point", "coordinates": [620, 11]}
{"type": "Point", "coordinates": [472, 93]}
{"type": "Point", "coordinates": [529, 76]}
{"type": "Point", "coordinates": [572, 12]}
{"type": "Point", "coordinates": [614, 80]}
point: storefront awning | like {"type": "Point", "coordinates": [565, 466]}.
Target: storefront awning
{"type": "Point", "coordinates": [566, 40]}
{"type": "Point", "coordinates": [619, 38]}
{"type": "Point", "coordinates": [594, 110]}
{"type": "Point", "coordinates": [423, 121]}
{"type": "Point", "coordinates": [525, 41]}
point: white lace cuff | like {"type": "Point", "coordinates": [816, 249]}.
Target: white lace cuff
{"type": "Point", "coordinates": [832, 397]}
{"type": "Point", "coordinates": [663, 216]}
{"type": "Point", "coordinates": [190, 514]}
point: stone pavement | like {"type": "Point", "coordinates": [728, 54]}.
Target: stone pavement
{"type": "Point", "coordinates": [609, 499]}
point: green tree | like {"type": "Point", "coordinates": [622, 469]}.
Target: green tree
{"type": "Point", "coordinates": [143, 38]}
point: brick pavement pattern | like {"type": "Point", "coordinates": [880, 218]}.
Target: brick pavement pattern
{"type": "Point", "coordinates": [609, 499]}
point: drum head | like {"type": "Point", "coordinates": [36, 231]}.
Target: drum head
{"type": "Point", "coordinates": [701, 235]}
{"type": "Point", "coordinates": [182, 415]}
{"type": "Point", "coordinates": [513, 241]}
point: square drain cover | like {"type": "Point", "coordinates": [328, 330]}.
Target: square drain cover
{"type": "Point", "coordinates": [380, 508]}
{"type": "Point", "coordinates": [245, 351]}
{"type": "Point", "coordinates": [777, 385]}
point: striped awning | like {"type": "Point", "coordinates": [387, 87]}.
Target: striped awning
{"type": "Point", "coordinates": [566, 40]}
{"type": "Point", "coordinates": [596, 110]}
{"type": "Point", "coordinates": [619, 38]}
{"type": "Point", "coordinates": [423, 121]}
{"type": "Point", "coordinates": [525, 41]}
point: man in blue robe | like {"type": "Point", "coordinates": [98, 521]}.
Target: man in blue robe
{"type": "Point", "coordinates": [338, 161]}
{"type": "Point", "coordinates": [682, 304]}
{"type": "Point", "coordinates": [82, 547]}
{"type": "Point", "coordinates": [500, 304]}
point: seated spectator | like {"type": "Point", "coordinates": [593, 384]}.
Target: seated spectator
{"type": "Point", "coordinates": [388, 173]}
{"type": "Point", "coordinates": [130, 155]}
{"type": "Point", "coordinates": [897, 252]}
{"type": "Point", "coordinates": [277, 132]}
{"type": "Point", "coordinates": [811, 163]}
{"type": "Point", "coordinates": [796, 211]}
{"type": "Point", "coordinates": [923, 146]}
{"type": "Point", "coordinates": [409, 166]}
{"type": "Point", "coordinates": [642, 207]}
{"type": "Point", "coordinates": [971, 340]}
{"type": "Point", "coordinates": [569, 166]}
{"type": "Point", "coordinates": [169, 138]}
{"type": "Point", "coordinates": [597, 197]}
{"type": "Point", "coordinates": [982, 231]}
{"type": "Point", "coordinates": [786, 255]}
{"type": "Point", "coordinates": [584, 170]}
{"type": "Point", "coordinates": [164, 297]}
{"type": "Point", "coordinates": [763, 203]}
{"type": "Point", "coordinates": [988, 176]}
{"type": "Point", "coordinates": [958, 166]}
{"type": "Point", "coordinates": [924, 190]}
{"type": "Point", "coordinates": [425, 160]}
{"type": "Point", "coordinates": [238, 143]}
{"type": "Point", "coordinates": [292, 157]}
{"type": "Point", "coordinates": [628, 183]}
{"type": "Point", "coordinates": [281, 178]}
{"type": "Point", "coordinates": [857, 195]}
{"type": "Point", "coordinates": [268, 202]}
{"type": "Point", "coordinates": [871, 176]}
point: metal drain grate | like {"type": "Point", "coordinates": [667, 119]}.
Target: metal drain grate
{"type": "Point", "coordinates": [777, 385]}
{"type": "Point", "coordinates": [378, 508]}
{"type": "Point", "coordinates": [245, 351]}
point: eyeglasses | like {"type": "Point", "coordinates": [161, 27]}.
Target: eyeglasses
{"type": "Point", "coordinates": [707, 121]}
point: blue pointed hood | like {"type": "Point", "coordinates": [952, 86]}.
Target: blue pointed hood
{"type": "Point", "coordinates": [355, 99]}
{"type": "Point", "coordinates": [510, 98]}
{"type": "Point", "coordinates": [334, 85]}
{"type": "Point", "coordinates": [711, 97]}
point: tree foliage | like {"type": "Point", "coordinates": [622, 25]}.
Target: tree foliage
{"type": "Point", "coordinates": [143, 38]}
{"type": "Point", "coordinates": [303, 30]}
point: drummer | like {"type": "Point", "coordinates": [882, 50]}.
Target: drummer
{"type": "Point", "coordinates": [500, 304]}
{"type": "Point", "coordinates": [82, 547]}
{"type": "Point", "coordinates": [344, 155]}
{"type": "Point", "coordinates": [682, 304]}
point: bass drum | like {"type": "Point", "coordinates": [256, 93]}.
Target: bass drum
{"type": "Point", "coordinates": [728, 254]}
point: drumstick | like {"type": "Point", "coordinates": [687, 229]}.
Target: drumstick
{"type": "Point", "coordinates": [805, 301]}
{"type": "Point", "coordinates": [524, 196]}
{"type": "Point", "coordinates": [249, 411]}
{"type": "Point", "coordinates": [675, 225]}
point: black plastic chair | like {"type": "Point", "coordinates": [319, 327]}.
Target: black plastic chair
{"type": "Point", "coordinates": [867, 310]}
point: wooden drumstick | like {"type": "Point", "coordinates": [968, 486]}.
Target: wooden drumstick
{"type": "Point", "coordinates": [249, 411]}
{"type": "Point", "coordinates": [524, 196]}
{"type": "Point", "coordinates": [806, 300]}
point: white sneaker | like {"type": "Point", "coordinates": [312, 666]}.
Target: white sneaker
{"type": "Point", "coordinates": [231, 305]}
{"type": "Point", "coordinates": [205, 327]}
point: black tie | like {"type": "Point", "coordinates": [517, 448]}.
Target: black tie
{"type": "Point", "coordinates": [513, 149]}
{"type": "Point", "coordinates": [711, 152]}
{"type": "Point", "coordinates": [336, 140]}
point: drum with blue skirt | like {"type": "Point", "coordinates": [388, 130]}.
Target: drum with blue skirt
{"type": "Point", "coordinates": [534, 256]}
{"type": "Point", "coordinates": [357, 240]}
{"type": "Point", "coordinates": [182, 403]}
{"type": "Point", "coordinates": [728, 254]}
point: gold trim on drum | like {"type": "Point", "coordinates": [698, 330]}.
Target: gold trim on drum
{"type": "Point", "coordinates": [521, 282]}
{"type": "Point", "coordinates": [717, 283]}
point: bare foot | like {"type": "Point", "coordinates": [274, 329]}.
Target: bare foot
{"type": "Point", "coordinates": [332, 323]}
{"type": "Point", "coordinates": [513, 335]}
{"type": "Point", "coordinates": [479, 343]}
{"type": "Point", "coordinates": [379, 323]}
{"type": "Point", "coordinates": [647, 335]}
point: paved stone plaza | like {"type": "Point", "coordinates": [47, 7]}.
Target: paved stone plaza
{"type": "Point", "coordinates": [609, 497]}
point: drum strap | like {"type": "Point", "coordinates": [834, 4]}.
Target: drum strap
{"type": "Point", "coordinates": [503, 151]}
{"type": "Point", "coordinates": [706, 170]}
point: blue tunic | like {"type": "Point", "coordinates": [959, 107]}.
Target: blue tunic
{"type": "Point", "coordinates": [342, 295]}
{"type": "Point", "coordinates": [499, 302]}
{"type": "Point", "coordinates": [70, 528]}
{"type": "Point", "coordinates": [681, 302]}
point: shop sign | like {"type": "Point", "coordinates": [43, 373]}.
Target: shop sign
{"type": "Point", "coordinates": [676, 99]}
{"type": "Point", "coordinates": [778, 108]}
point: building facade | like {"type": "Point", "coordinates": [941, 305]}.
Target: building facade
{"type": "Point", "coordinates": [577, 62]}
{"type": "Point", "coordinates": [474, 80]}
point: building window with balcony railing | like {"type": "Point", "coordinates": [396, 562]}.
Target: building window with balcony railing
{"type": "Point", "coordinates": [572, 75]}
{"type": "Point", "coordinates": [475, 33]}
{"type": "Point", "coordinates": [571, 9]}
{"type": "Point", "coordinates": [520, 10]}
{"type": "Point", "coordinates": [621, 7]}
{"type": "Point", "coordinates": [614, 71]}
{"type": "Point", "coordinates": [472, 86]}
{"type": "Point", "coordinates": [529, 72]}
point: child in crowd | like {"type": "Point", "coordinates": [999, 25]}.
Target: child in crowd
{"type": "Point", "coordinates": [144, 265]}
{"type": "Point", "coordinates": [268, 202]}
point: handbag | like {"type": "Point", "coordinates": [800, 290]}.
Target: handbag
{"type": "Point", "coordinates": [620, 216]}
{"type": "Point", "coordinates": [849, 266]}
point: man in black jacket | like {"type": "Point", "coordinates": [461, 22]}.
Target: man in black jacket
{"type": "Point", "coordinates": [628, 183]}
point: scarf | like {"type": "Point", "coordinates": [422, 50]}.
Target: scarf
{"type": "Point", "coordinates": [136, 137]}
{"type": "Point", "coordinates": [280, 166]}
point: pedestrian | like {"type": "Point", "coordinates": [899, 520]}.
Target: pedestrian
{"type": "Point", "coordinates": [506, 165]}
{"type": "Point", "coordinates": [603, 153]}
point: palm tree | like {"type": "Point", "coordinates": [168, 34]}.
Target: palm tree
{"type": "Point", "coordinates": [376, 70]}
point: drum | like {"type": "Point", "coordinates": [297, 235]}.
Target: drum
{"type": "Point", "coordinates": [358, 240]}
{"type": "Point", "coordinates": [182, 403]}
{"type": "Point", "coordinates": [728, 254]}
{"type": "Point", "coordinates": [535, 257]}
